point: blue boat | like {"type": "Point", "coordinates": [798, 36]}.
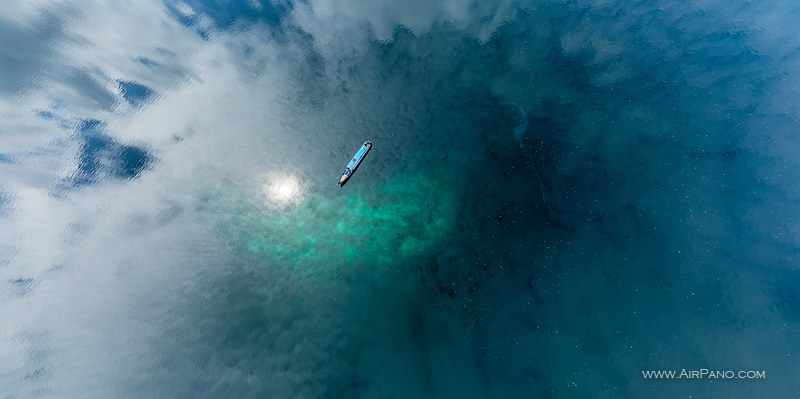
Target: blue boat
{"type": "Point", "coordinates": [353, 164]}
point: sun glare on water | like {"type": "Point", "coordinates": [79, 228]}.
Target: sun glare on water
{"type": "Point", "coordinates": [283, 189]}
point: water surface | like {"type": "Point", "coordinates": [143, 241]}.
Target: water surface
{"type": "Point", "coordinates": [560, 196]}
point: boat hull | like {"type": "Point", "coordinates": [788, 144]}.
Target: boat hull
{"type": "Point", "coordinates": [354, 163]}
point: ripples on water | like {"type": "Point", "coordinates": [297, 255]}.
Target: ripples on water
{"type": "Point", "coordinates": [560, 196]}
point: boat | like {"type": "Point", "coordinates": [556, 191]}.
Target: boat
{"type": "Point", "coordinates": [353, 164]}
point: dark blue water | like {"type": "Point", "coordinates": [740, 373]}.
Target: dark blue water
{"type": "Point", "coordinates": [560, 197]}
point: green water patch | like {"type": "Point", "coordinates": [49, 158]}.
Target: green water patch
{"type": "Point", "coordinates": [322, 231]}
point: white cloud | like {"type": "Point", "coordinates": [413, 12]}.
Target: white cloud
{"type": "Point", "coordinates": [342, 27]}
{"type": "Point", "coordinates": [108, 264]}
{"type": "Point", "coordinates": [185, 9]}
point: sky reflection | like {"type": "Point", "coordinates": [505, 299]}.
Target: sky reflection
{"type": "Point", "coordinates": [283, 188]}
{"type": "Point", "coordinates": [560, 193]}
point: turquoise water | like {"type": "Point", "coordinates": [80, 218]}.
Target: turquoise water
{"type": "Point", "coordinates": [560, 196]}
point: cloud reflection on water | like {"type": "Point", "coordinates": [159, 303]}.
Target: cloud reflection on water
{"type": "Point", "coordinates": [133, 264]}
